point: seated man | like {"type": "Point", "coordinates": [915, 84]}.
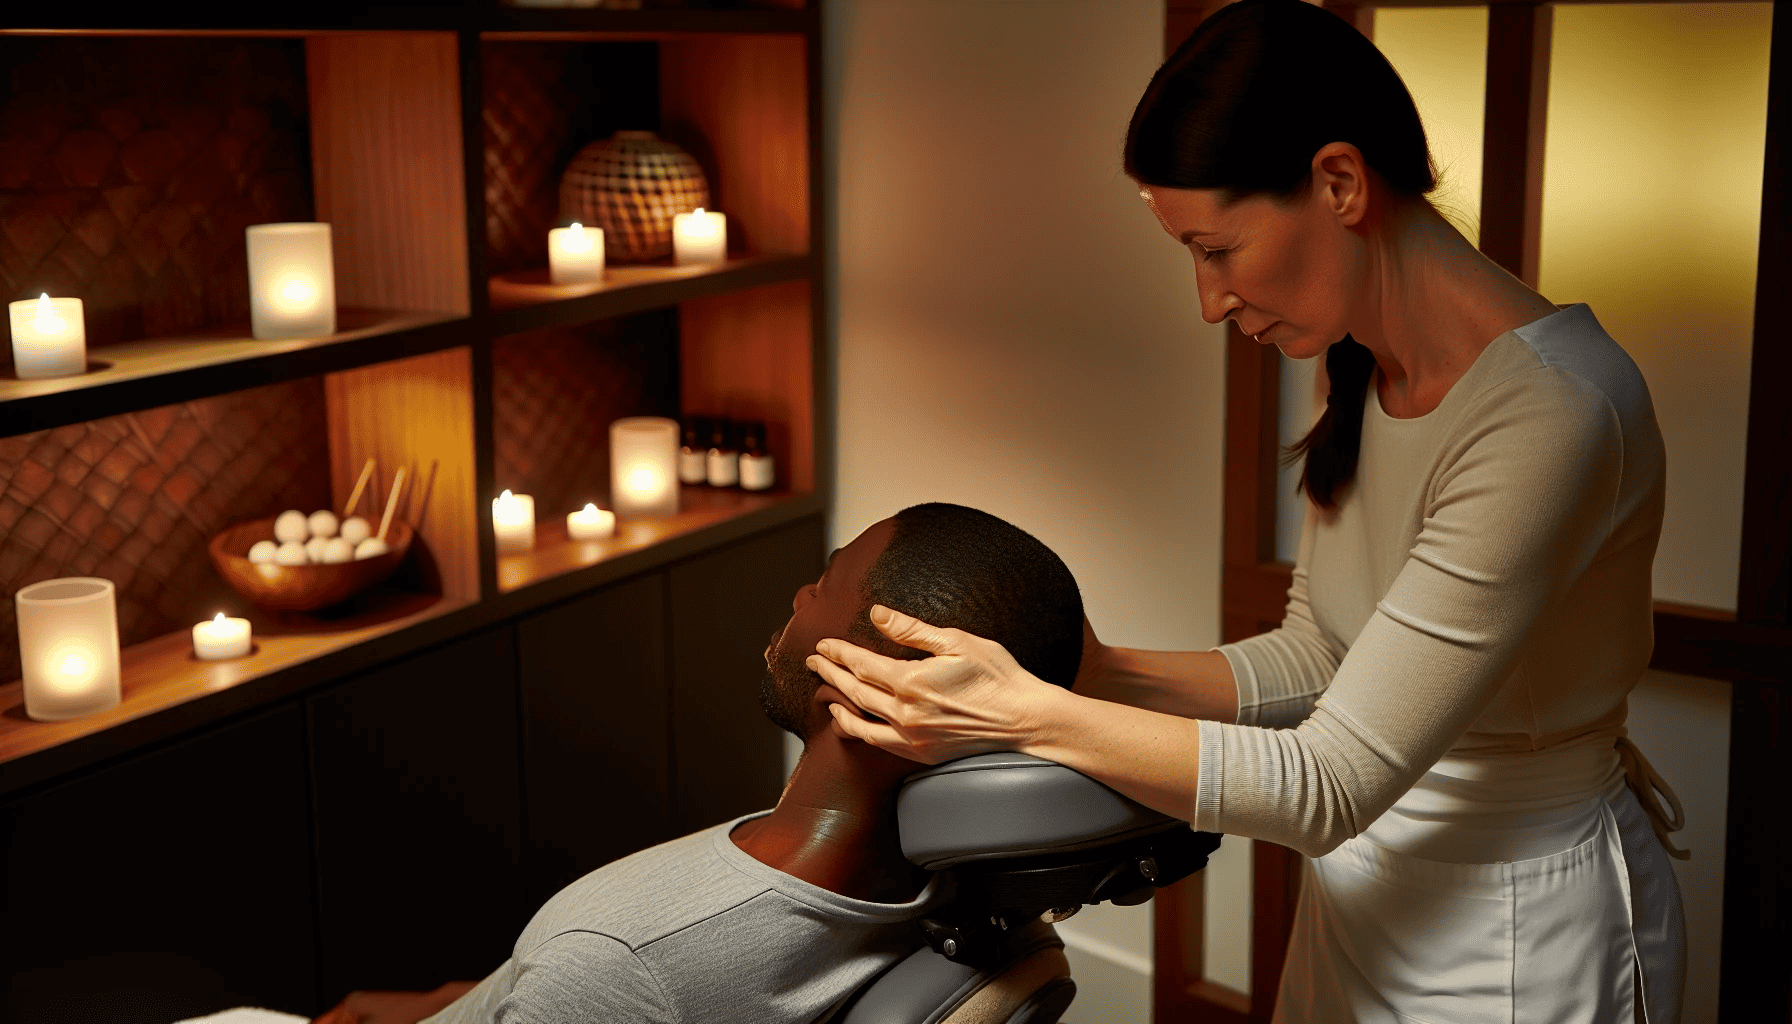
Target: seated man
{"type": "Point", "coordinates": [782, 914]}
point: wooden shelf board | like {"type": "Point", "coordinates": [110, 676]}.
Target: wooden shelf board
{"type": "Point", "coordinates": [524, 300]}
{"type": "Point", "coordinates": [555, 555]}
{"type": "Point", "coordinates": [160, 371]}
{"type": "Point", "coordinates": [496, 21]}
{"type": "Point", "coordinates": [596, 25]}
{"type": "Point", "coordinates": [163, 672]}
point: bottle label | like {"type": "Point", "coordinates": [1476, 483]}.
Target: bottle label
{"type": "Point", "coordinates": [724, 468]}
{"type": "Point", "coordinates": [756, 472]}
{"type": "Point", "coordinates": [691, 468]}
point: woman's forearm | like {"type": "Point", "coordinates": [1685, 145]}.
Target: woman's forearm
{"type": "Point", "coordinates": [1188, 684]}
{"type": "Point", "coordinates": [1152, 758]}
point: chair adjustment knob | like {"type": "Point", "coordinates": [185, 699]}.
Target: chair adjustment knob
{"type": "Point", "coordinates": [1148, 868]}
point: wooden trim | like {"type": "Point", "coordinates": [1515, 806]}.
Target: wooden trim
{"type": "Point", "coordinates": [1512, 162]}
{"type": "Point", "coordinates": [1253, 380]}
{"type": "Point", "coordinates": [1276, 871]}
{"type": "Point", "coordinates": [1764, 591]}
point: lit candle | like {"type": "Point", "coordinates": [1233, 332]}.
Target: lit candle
{"type": "Point", "coordinates": [221, 638]}
{"type": "Point", "coordinates": [513, 517]}
{"type": "Point", "coordinates": [68, 647]}
{"type": "Point", "coordinates": [590, 523]}
{"type": "Point", "coordinates": [292, 284]}
{"type": "Point", "coordinates": [644, 466]}
{"type": "Point", "coordinates": [49, 337]}
{"type": "Point", "coordinates": [576, 254]}
{"type": "Point", "coordinates": [699, 237]}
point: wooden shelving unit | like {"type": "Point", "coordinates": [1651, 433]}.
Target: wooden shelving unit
{"type": "Point", "coordinates": [395, 126]}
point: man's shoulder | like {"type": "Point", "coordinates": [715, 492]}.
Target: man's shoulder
{"type": "Point", "coordinates": [648, 894]}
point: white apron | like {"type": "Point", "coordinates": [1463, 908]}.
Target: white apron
{"type": "Point", "coordinates": [1390, 938]}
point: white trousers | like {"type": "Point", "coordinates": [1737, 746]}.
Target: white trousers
{"type": "Point", "coordinates": [1388, 938]}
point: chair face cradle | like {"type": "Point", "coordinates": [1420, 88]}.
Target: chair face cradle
{"type": "Point", "coordinates": [1025, 843]}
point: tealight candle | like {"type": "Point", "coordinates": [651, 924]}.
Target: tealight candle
{"type": "Point", "coordinates": [576, 254]}
{"type": "Point", "coordinates": [49, 337]}
{"type": "Point", "coordinates": [644, 466]}
{"type": "Point", "coordinates": [513, 518]}
{"type": "Point", "coordinates": [699, 237]}
{"type": "Point", "coordinates": [590, 523]}
{"type": "Point", "coordinates": [221, 638]}
{"type": "Point", "coordinates": [292, 284]}
{"type": "Point", "coordinates": [68, 647]}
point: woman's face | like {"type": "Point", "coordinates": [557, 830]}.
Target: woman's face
{"type": "Point", "coordinates": [1283, 272]}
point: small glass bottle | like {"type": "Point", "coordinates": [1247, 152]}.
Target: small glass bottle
{"type": "Point", "coordinates": [724, 461]}
{"type": "Point", "coordinates": [693, 457]}
{"type": "Point", "coordinates": [757, 471]}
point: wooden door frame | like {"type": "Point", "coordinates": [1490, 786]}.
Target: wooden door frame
{"type": "Point", "coordinates": [1751, 648]}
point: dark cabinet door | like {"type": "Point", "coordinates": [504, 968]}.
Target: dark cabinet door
{"type": "Point", "coordinates": [173, 884]}
{"type": "Point", "coordinates": [728, 759]}
{"type": "Point", "coordinates": [596, 725]}
{"type": "Point", "coordinates": [418, 830]}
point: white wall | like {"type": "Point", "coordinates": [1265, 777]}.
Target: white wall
{"type": "Point", "coordinates": [1014, 331]}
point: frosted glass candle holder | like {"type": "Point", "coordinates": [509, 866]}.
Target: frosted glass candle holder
{"type": "Point", "coordinates": [49, 337]}
{"type": "Point", "coordinates": [292, 283]}
{"type": "Point", "coordinates": [513, 518]}
{"type": "Point", "coordinates": [68, 647]}
{"type": "Point", "coordinates": [576, 255]}
{"type": "Point", "coordinates": [700, 237]}
{"type": "Point", "coordinates": [644, 466]}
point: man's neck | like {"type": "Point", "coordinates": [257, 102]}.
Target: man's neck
{"type": "Point", "coordinates": [835, 825]}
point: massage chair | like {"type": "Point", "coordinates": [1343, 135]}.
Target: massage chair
{"type": "Point", "coordinates": [1023, 843]}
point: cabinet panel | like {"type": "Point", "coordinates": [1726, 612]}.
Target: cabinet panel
{"type": "Point", "coordinates": [173, 884]}
{"type": "Point", "coordinates": [596, 718]}
{"type": "Point", "coordinates": [418, 831]}
{"type": "Point", "coordinates": [727, 757]}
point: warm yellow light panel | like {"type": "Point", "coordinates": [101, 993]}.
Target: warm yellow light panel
{"type": "Point", "coordinates": [1651, 211]}
{"type": "Point", "coordinates": [1441, 55]}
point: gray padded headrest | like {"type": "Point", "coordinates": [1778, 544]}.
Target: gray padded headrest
{"type": "Point", "coordinates": [1011, 805]}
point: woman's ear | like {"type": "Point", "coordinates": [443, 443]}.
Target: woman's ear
{"type": "Point", "coordinates": [1341, 181]}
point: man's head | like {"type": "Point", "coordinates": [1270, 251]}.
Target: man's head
{"type": "Point", "coordinates": [947, 565]}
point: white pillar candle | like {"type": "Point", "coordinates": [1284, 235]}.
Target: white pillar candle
{"type": "Point", "coordinates": [292, 283]}
{"type": "Point", "coordinates": [644, 466]}
{"type": "Point", "coordinates": [576, 254]}
{"type": "Point", "coordinates": [699, 237]}
{"type": "Point", "coordinates": [68, 647]}
{"type": "Point", "coordinates": [49, 337]}
{"type": "Point", "coordinates": [590, 523]}
{"type": "Point", "coordinates": [220, 638]}
{"type": "Point", "coordinates": [513, 517]}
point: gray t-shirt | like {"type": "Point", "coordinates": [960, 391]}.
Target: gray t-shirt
{"type": "Point", "coordinates": [690, 931]}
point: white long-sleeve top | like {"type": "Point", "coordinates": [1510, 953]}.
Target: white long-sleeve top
{"type": "Point", "coordinates": [1462, 632]}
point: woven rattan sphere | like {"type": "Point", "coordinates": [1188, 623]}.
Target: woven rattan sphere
{"type": "Point", "coordinates": [630, 185]}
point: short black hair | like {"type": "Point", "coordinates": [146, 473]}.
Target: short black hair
{"type": "Point", "coordinates": [957, 567]}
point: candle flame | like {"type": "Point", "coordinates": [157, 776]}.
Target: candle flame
{"type": "Point", "coordinates": [590, 509]}
{"type": "Point", "coordinates": [505, 496]}
{"type": "Point", "coordinates": [46, 321]}
{"type": "Point", "coordinates": [575, 239]}
{"type": "Point", "coordinates": [644, 481]}
{"type": "Point", "coordinates": [73, 665]}
{"type": "Point", "coordinates": [296, 292]}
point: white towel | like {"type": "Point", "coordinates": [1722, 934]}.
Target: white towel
{"type": "Point", "coordinates": [246, 1015]}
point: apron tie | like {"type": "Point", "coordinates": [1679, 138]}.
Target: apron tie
{"type": "Point", "coordinates": [1642, 779]}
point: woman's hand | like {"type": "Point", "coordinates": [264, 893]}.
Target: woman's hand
{"type": "Point", "coordinates": [971, 697]}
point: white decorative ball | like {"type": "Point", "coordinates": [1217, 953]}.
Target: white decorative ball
{"type": "Point", "coordinates": [263, 551]}
{"type": "Point", "coordinates": [292, 525]}
{"type": "Point", "coordinates": [372, 547]}
{"type": "Point", "coordinates": [323, 523]}
{"type": "Point", "coordinates": [355, 530]}
{"type": "Point", "coordinates": [292, 553]}
{"type": "Point", "coordinates": [314, 549]}
{"type": "Point", "coordinates": [338, 550]}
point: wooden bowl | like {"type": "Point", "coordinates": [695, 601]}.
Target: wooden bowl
{"type": "Point", "coordinates": [300, 588]}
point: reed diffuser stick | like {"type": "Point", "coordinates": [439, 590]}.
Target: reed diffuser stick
{"type": "Point", "coordinates": [391, 503]}
{"type": "Point", "coordinates": [354, 496]}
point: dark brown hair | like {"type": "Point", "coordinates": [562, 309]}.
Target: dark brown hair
{"type": "Point", "coordinates": [1242, 106]}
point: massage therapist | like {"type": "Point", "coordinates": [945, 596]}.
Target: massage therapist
{"type": "Point", "coordinates": [1438, 723]}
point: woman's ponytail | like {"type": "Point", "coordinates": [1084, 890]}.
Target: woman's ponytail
{"type": "Point", "coordinates": [1331, 447]}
